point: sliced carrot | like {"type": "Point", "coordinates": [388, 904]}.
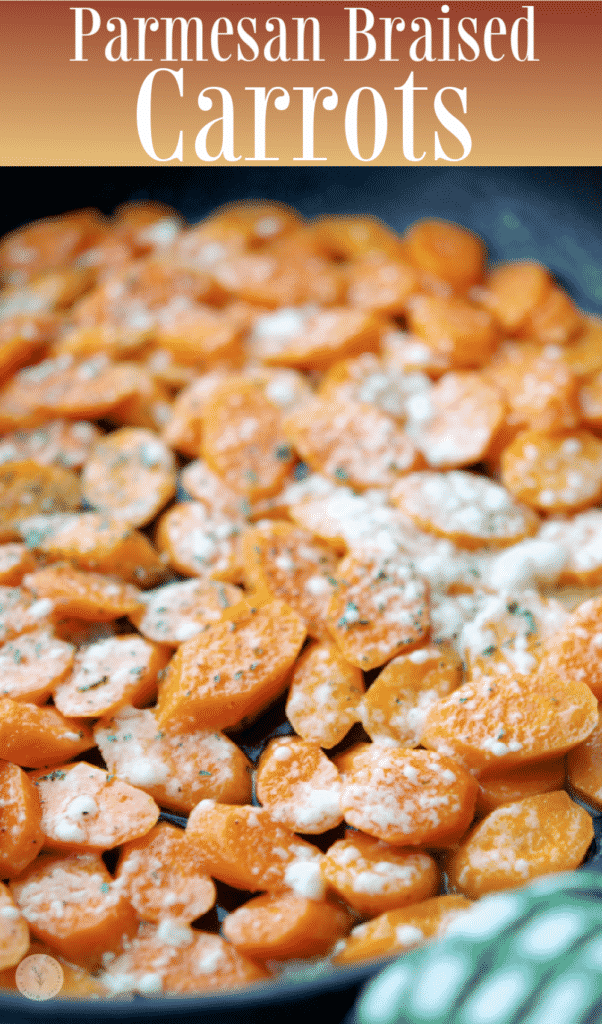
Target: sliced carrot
{"type": "Point", "coordinates": [559, 472]}
{"type": "Point", "coordinates": [197, 542]}
{"type": "Point", "coordinates": [48, 243]}
{"type": "Point", "coordinates": [299, 786]}
{"type": "Point", "coordinates": [196, 962]}
{"type": "Point", "coordinates": [178, 611]}
{"type": "Point", "coordinates": [379, 607]}
{"type": "Point", "coordinates": [73, 904]}
{"type": "Point", "coordinates": [91, 541]}
{"type": "Point", "coordinates": [246, 848]}
{"type": "Point", "coordinates": [575, 651]}
{"type": "Point", "coordinates": [183, 430]}
{"type": "Point", "coordinates": [447, 251]}
{"type": "Point", "coordinates": [373, 877]}
{"type": "Point", "coordinates": [243, 441]}
{"type": "Point", "coordinates": [232, 670]}
{"type": "Point", "coordinates": [15, 560]}
{"type": "Point", "coordinates": [32, 665]}
{"type": "Point", "coordinates": [78, 983]}
{"type": "Point", "coordinates": [20, 819]}
{"type": "Point", "coordinates": [247, 223]}
{"type": "Point", "coordinates": [23, 338]}
{"type": "Point", "coordinates": [535, 836]}
{"type": "Point", "coordinates": [148, 408]}
{"type": "Point", "coordinates": [307, 339]}
{"type": "Point", "coordinates": [21, 612]}
{"type": "Point", "coordinates": [468, 509]}
{"type": "Point", "coordinates": [367, 378]}
{"type": "Point", "coordinates": [398, 931]}
{"type": "Point", "coordinates": [130, 476]}
{"type": "Point", "coordinates": [580, 536]}
{"type": "Point", "coordinates": [279, 926]}
{"type": "Point", "coordinates": [590, 401]}
{"type": "Point", "coordinates": [408, 797]}
{"type": "Point", "coordinates": [455, 422]}
{"type": "Point", "coordinates": [381, 285]}
{"type": "Point", "coordinates": [324, 695]}
{"type": "Point", "coordinates": [84, 808]}
{"type": "Point", "coordinates": [288, 563]}
{"type": "Point", "coordinates": [513, 290]}
{"type": "Point", "coordinates": [83, 595]}
{"type": "Point", "coordinates": [282, 277]}
{"type": "Point", "coordinates": [14, 932]}
{"type": "Point", "coordinates": [197, 334]}
{"type": "Point", "coordinates": [395, 706]}
{"type": "Point", "coordinates": [453, 328]}
{"type": "Point", "coordinates": [511, 720]}
{"type": "Point", "coordinates": [162, 876]}
{"type": "Point", "coordinates": [538, 386]}
{"type": "Point", "coordinates": [584, 768]}
{"type": "Point", "coordinates": [205, 486]}
{"type": "Point", "coordinates": [33, 736]}
{"type": "Point", "coordinates": [516, 783]}
{"type": "Point", "coordinates": [352, 443]}
{"type": "Point", "coordinates": [509, 635]}
{"type": "Point", "coordinates": [28, 487]}
{"type": "Point", "coordinates": [583, 354]}
{"type": "Point", "coordinates": [57, 442]}
{"type": "Point", "coordinates": [407, 353]}
{"type": "Point", "coordinates": [554, 320]}
{"type": "Point", "coordinates": [112, 672]}
{"type": "Point", "coordinates": [179, 769]}
{"type": "Point", "coordinates": [86, 389]}
{"type": "Point", "coordinates": [350, 238]}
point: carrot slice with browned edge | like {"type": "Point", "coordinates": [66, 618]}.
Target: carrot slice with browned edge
{"type": "Point", "coordinates": [447, 251]}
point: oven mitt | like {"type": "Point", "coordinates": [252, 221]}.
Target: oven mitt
{"type": "Point", "coordinates": [528, 956]}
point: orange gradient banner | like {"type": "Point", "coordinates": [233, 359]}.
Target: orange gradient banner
{"type": "Point", "coordinates": [394, 82]}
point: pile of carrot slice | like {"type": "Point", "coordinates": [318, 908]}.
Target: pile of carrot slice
{"type": "Point", "coordinates": [265, 467]}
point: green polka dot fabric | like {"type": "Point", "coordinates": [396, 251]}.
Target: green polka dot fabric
{"type": "Point", "coordinates": [528, 956]}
